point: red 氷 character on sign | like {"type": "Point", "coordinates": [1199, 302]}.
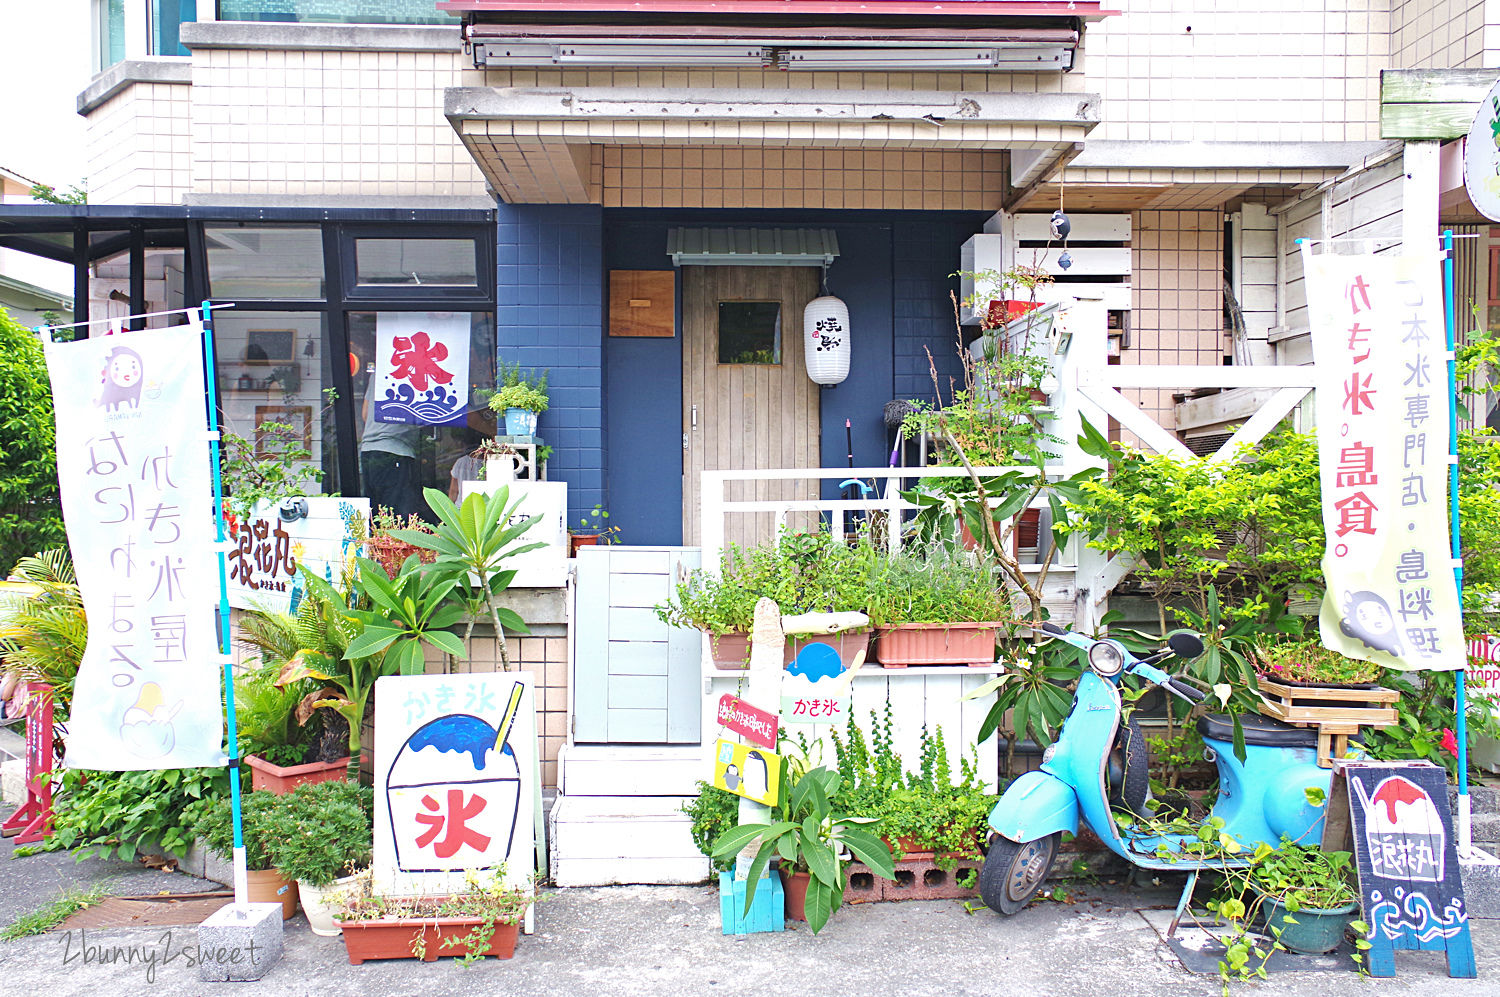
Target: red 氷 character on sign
{"type": "Point", "coordinates": [416, 358]}
{"type": "Point", "coordinates": [458, 833]}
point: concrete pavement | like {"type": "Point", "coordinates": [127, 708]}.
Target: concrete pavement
{"type": "Point", "coordinates": [638, 941]}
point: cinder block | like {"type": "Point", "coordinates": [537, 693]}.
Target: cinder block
{"type": "Point", "coordinates": [239, 943]}
{"type": "Point", "coordinates": [917, 878]}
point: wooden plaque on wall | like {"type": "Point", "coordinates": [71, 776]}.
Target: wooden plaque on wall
{"type": "Point", "coordinates": [643, 303]}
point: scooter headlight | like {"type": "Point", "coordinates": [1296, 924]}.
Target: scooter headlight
{"type": "Point", "coordinates": [1106, 659]}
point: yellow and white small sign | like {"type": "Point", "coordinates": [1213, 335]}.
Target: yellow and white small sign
{"type": "Point", "coordinates": [748, 771]}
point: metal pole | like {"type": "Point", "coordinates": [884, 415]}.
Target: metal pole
{"type": "Point", "coordinates": [1460, 706]}
{"type": "Point", "coordinates": [241, 886]}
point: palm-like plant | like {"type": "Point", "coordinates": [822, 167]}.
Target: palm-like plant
{"type": "Point", "coordinates": [45, 638]}
{"type": "Point", "coordinates": [472, 543]}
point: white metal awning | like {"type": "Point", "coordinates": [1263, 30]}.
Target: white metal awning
{"type": "Point", "coordinates": [752, 247]}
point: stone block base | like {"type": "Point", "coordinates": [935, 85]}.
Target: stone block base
{"type": "Point", "coordinates": [239, 942]}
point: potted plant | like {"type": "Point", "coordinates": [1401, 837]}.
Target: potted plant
{"type": "Point", "coordinates": [281, 752]}
{"type": "Point", "coordinates": [802, 572]}
{"type": "Point", "coordinates": [1309, 663]}
{"type": "Point", "coordinates": [214, 823]}
{"type": "Point", "coordinates": [387, 545]}
{"type": "Point", "coordinates": [410, 611]}
{"type": "Point", "coordinates": [482, 920]}
{"type": "Point", "coordinates": [320, 836]}
{"type": "Point", "coordinates": [936, 605]}
{"type": "Point", "coordinates": [591, 530]}
{"type": "Point", "coordinates": [1308, 895]}
{"type": "Point", "coordinates": [813, 843]}
{"type": "Point", "coordinates": [521, 397]}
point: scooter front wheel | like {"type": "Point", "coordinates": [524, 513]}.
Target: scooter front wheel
{"type": "Point", "coordinates": [1014, 873]}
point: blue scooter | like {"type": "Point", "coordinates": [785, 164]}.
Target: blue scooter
{"type": "Point", "coordinates": [1095, 767]}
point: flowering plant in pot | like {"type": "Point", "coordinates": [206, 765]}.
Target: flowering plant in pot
{"type": "Point", "coordinates": [811, 840]}
{"type": "Point", "coordinates": [320, 835]}
{"type": "Point", "coordinates": [592, 530]}
{"type": "Point", "coordinates": [388, 548]}
{"type": "Point", "coordinates": [483, 919]}
{"type": "Point", "coordinates": [214, 823]}
{"type": "Point", "coordinates": [520, 398]}
{"type": "Point", "coordinates": [937, 605]}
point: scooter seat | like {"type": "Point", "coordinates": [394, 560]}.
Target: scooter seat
{"type": "Point", "coordinates": [1261, 731]}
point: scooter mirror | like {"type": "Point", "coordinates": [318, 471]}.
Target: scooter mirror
{"type": "Point", "coordinates": [1185, 644]}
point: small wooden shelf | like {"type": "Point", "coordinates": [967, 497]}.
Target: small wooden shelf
{"type": "Point", "coordinates": [1336, 711]}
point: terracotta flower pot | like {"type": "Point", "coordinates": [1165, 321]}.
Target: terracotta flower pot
{"type": "Point", "coordinates": [394, 938]}
{"type": "Point", "coordinates": [270, 886]}
{"type": "Point", "coordinates": [390, 553]}
{"type": "Point", "coordinates": [730, 652]}
{"type": "Point", "coordinates": [794, 887]}
{"type": "Point", "coordinates": [936, 644]}
{"type": "Point", "coordinates": [282, 779]}
{"type": "Point", "coordinates": [577, 540]}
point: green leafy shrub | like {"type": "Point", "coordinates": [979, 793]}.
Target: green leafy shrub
{"type": "Point", "coordinates": [30, 509]}
{"type": "Point", "coordinates": [1310, 661]}
{"type": "Point", "coordinates": [214, 823]}
{"type": "Point", "coordinates": [519, 389]}
{"type": "Point", "coordinates": [936, 584]}
{"type": "Point", "coordinates": [122, 814]}
{"type": "Point", "coordinates": [713, 811]}
{"type": "Point", "coordinates": [318, 833]}
{"type": "Point", "coordinates": [44, 640]}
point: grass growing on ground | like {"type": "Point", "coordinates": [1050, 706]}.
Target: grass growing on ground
{"type": "Point", "coordinates": [50, 916]}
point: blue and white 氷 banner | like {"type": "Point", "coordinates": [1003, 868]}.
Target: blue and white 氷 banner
{"type": "Point", "coordinates": [137, 500]}
{"type": "Point", "coordinates": [1384, 435]}
{"type": "Point", "coordinates": [421, 368]}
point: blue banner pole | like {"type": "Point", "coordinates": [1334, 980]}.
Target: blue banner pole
{"type": "Point", "coordinates": [1460, 706]}
{"type": "Point", "coordinates": [241, 886]}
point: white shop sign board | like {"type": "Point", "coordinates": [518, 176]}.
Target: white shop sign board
{"type": "Point", "coordinates": [267, 552]}
{"type": "Point", "coordinates": [546, 567]}
{"type": "Point", "coordinates": [456, 781]}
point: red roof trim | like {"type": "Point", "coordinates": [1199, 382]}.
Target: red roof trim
{"type": "Point", "coordinates": [1086, 9]}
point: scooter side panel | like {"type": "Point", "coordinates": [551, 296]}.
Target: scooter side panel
{"type": "Point", "coordinates": [1036, 805]}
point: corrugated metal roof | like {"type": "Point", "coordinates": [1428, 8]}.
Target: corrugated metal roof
{"type": "Point", "coordinates": [752, 247]}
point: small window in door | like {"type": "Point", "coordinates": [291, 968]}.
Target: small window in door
{"type": "Point", "coordinates": [749, 332]}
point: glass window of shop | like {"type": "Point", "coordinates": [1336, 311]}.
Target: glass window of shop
{"type": "Point", "coordinates": [166, 20]}
{"type": "Point", "coordinates": [335, 11]}
{"type": "Point", "coordinates": [265, 261]}
{"type": "Point", "coordinates": [276, 387]}
{"type": "Point", "coordinates": [397, 459]}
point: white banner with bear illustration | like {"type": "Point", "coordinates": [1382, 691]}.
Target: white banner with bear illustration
{"type": "Point", "coordinates": [133, 467]}
{"type": "Point", "coordinates": [1384, 435]}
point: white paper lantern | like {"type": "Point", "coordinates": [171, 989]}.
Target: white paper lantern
{"type": "Point", "coordinates": [825, 338]}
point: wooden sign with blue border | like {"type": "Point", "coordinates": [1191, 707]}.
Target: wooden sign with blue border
{"type": "Point", "coordinates": [1401, 833]}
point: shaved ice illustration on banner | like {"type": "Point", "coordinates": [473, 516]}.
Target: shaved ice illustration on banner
{"type": "Point", "coordinates": [421, 368]}
{"type": "Point", "coordinates": [1403, 830]}
{"type": "Point", "coordinates": [133, 470]}
{"type": "Point", "coordinates": [455, 759]}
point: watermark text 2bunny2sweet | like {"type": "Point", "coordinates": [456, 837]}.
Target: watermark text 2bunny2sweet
{"type": "Point", "coordinates": [79, 950]}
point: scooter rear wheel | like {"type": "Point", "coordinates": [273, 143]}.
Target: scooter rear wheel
{"type": "Point", "coordinates": [1014, 873]}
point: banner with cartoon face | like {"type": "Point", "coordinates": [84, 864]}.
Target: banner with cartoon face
{"type": "Point", "coordinates": [1384, 433]}
{"type": "Point", "coordinates": [133, 467]}
{"type": "Point", "coordinates": [421, 368]}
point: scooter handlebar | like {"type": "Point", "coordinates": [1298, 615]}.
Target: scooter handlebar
{"type": "Point", "coordinates": [1158, 677]}
{"type": "Point", "coordinates": [1186, 691]}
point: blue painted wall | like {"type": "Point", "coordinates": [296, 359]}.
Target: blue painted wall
{"type": "Point", "coordinates": [550, 314]}
{"type": "Point", "coordinates": [617, 402]}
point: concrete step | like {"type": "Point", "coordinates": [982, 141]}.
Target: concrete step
{"type": "Point", "coordinates": [631, 769]}
{"type": "Point", "coordinates": [609, 840]}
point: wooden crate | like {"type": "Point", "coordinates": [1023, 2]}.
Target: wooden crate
{"type": "Point", "coordinates": [1314, 706]}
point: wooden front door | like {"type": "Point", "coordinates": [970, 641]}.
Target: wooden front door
{"type": "Point", "coordinates": [747, 400]}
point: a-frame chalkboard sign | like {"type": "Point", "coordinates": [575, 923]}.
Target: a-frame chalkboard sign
{"type": "Point", "coordinates": [1394, 816]}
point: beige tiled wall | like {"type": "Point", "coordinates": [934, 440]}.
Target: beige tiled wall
{"type": "Point", "coordinates": [1176, 296]}
{"type": "Point", "coordinates": [546, 658]}
{"type": "Point", "coordinates": [797, 178]}
{"type": "Point", "coordinates": [703, 79]}
{"type": "Point", "coordinates": [1240, 70]}
{"type": "Point", "coordinates": [140, 145]}
{"type": "Point", "coordinates": [328, 123]}
{"type": "Point", "coordinates": [1440, 34]}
